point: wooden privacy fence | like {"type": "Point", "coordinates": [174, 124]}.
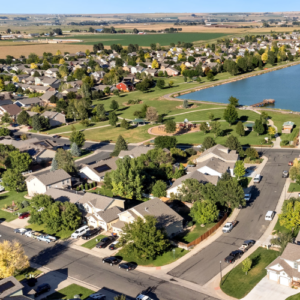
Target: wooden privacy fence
{"type": "Point", "coordinates": [204, 235]}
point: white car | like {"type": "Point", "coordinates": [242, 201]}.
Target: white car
{"type": "Point", "coordinates": [143, 297]}
{"type": "Point", "coordinates": [97, 296]}
{"type": "Point", "coordinates": [20, 230]}
{"type": "Point", "coordinates": [270, 215]}
{"type": "Point", "coordinates": [257, 178]}
{"type": "Point", "coordinates": [79, 232]}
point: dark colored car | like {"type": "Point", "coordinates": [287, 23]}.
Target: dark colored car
{"type": "Point", "coordinates": [105, 242]}
{"type": "Point", "coordinates": [110, 260]}
{"type": "Point", "coordinates": [249, 243]}
{"type": "Point", "coordinates": [90, 233]}
{"type": "Point", "coordinates": [231, 258]}
{"type": "Point", "coordinates": [127, 266]}
{"type": "Point", "coordinates": [113, 246]}
{"type": "Point", "coordinates": [41, 289]}
{"type": "Point", "coordinates": [24, 215]}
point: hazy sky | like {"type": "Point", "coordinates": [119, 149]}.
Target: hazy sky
{"type": "Point", "coordinates": [140, 6]}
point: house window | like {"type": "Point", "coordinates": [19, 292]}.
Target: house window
{"type": "Point", "coordinates": [295, 265]}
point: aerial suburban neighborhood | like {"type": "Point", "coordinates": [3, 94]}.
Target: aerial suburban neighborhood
{"type": "Point", "coordinates": [149, 156]}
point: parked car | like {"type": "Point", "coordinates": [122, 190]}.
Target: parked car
{"type": "Point", "coordinates": [291, 163]}
{"type": "Point", "coordinates": [247, 245]}
{"type": "Point", "coordinates": [285, 174]}
{"type": "Point", "coordinates": [257, 178]}
{"type": "Point", "coordinates": [24, 215]}
{"type": "Point", "coordinates": [41, 289]}
{"type": "Point", "coordinates": [269, 215]}
{"type": "Point", "coordinates": [2, 188]}
{"type": "Point", "coordinates": [21, 231]}
{"type": "Point", "coordinates": [90, 233]}
{"type": "Point", "coordinates": [105, 242]}
{"type": "Point", "coordinates": [96, 296]}
{"type": "Point", "coordinates": [110, 260]}
{"type": "Point", "coordinates": [56, 136]}
{"type": "Point", "coordinates": [229, 226]}
{"type": "Point", "coordinates": [79, 232]}
{"type": "Point", "coordinates": [43, 238]}
{"type": "Point", "coordinates": [113, 246]}
{"type": "Point", "coordinates": [233, 256]}
{"type": "Point", "coordinates": [127, 266]}
{"type": "Point", "coordinates": [143, 297]}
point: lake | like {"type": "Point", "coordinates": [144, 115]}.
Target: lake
{"type": "Point", "coordinates": [283, 86]}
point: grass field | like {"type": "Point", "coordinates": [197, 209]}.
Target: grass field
{"type": "Point", "coordinates": [237, 284]}
{"type": "Point", "coordinates": [165, 259]}
{"type": "Point", "coordinates": [70, 291]}
{"type": "Point", "coordinates": [92, 243]}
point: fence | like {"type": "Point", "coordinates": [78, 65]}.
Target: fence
{"type": "Point", "coordinates": [203, 236]}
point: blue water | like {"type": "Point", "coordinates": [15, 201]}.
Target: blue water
{"type": "Point", "coordinates": [283, 86]}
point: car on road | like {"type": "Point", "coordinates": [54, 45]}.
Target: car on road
{"type": "Point", "coordinates": [247, 245]}
{"type": "Point", "coordinates": [24, 215]}
{"type": "Point", "coordinates": [41, 289]}
{"type": "Point", "coordinates": [269, 215]}
{"type": "Point", "coordinates": [21, 231]}
{"type": "Point", "coordinates": [285, 174]}
{"type": "Point", "coordinates": [233, 256]}
{"type": "Point", "coordinates": [113, 246]}
{"type": "Point", "coordinates": [56, 136]}
{"type": "Point", "coordinates": [79, 232]}
{"type": "Point", "coordinates": [143, 297]}
{"type": "Point", "coordinates": [257, 178]}
{"type": "Point", "coordinates": [90, 233]}
{"type": "Point", "coordinates": [96, 296]}
{"type": "Point", "coordinates": [110, 260]}
{"type": "Point", "coordinates": [105, 242]}
{"type": "Point", "coordinates": [229, 226]}
{"type": "Point", "coordinates": [127, 266]}
{"type": "Point", "coordinates": [291, 163]}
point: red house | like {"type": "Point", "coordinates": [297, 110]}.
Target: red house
{"type": "Point", "coordinates": [125, 87]}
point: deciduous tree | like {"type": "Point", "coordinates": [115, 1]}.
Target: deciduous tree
{"type": "Point", "coordinates": [13, 180]}
{"type": "Point", "coordinates": [65, 160]}
{"type": "Point", "coordinates": [165, 142]}
{"type": "Point", "coordinates": [114, 105]}
{"type": "Point", "coordinates": [23, 117]}
{"type": "Point", "coordinates": [204, 212]}
{"type": "Point", "coordinates": [152, 114]}
{"type": "Point", "coordinates": [246, 265]}
{"type": "Point", "coordinates": [239, 169]}
{"type": "Point", "coordinates": [170, 126]}
{"type": "Point", "coordinates": [78, 138]}
{"type": "Point", "coordinates": [216, 128]}
{"type": "Point", "coordinates": [204, 127]}
{"type": "Point", "coordinates": [259, 127]}
{"type": "Point", "coordinates": [159, 189]}
{"type": "Point", "coordinates": [208, 142]}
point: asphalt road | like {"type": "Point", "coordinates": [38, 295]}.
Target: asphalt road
{"type": "Point", "coordinates": [205, 265]}
{"type": "Point", "coordinates": [91, 270]}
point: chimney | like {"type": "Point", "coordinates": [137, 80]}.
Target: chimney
{"type": "Point", "coordinates": [146, 209]}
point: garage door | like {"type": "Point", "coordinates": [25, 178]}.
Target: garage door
{"type": "Point", "coordinates": [273, 276]}
{"type": "Point", "coordinates": [284, 281]}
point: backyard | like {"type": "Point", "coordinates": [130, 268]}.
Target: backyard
{"type": "Point", "coordinates": [70, 291]}
{"type": "Point", "coordinates": [237, 284]}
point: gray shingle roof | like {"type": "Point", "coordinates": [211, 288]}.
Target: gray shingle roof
{"type": "Point", "coordinates": [222, 152]}
{"type": "Point", "coordinates": [9, 286]}
{"type": "Point", "coordinates": [51, 177]}
{"type": "Point", "coordinates": [291, 252]}
{"type": "Point", "coordinates": [98, 201]}
{"type": "Point", "coordinates": [110, 214]}
{"type": "Point", "coordinates": [135, 152]}
{"type": "Point", "coordinates": [103, 166]}
{"type": "Point", "coordinates": [219, 165]}
{"type": "Point", "coordinates": [64, 195]}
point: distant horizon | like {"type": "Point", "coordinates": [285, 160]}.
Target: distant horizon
{"type": "Point", "coordinates": [136, 7]}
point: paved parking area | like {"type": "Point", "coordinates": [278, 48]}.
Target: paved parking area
{"type": "Point", "coordinates": [268, 289]}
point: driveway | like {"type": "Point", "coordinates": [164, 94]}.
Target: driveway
{"type": "Point", "coordinates": [268, 289]}
{"type": "Point", "coordinates": [205, 265]}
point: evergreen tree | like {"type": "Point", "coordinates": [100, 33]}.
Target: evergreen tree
{"type": "Point", "coordinates": [233, 101]}
{"type": "Point", "coordinates": [75, 151]}
{"type": "Point", "coordinates": [124, 124]}
{"type": "Point", "coordinates": [114, 105]}
{"type": "Point", "coordinates": [185, 104]}
{"type": "Point", "coordinates": [120, 145]}
{"type": "Point", "coordinates": [259, 127]}
{"type": "Point", "coordinates": [54, 164]}
{"type": "Point", "coordinates": [230, 114]}
{"type": "Point", "coordinates": [240, 130]}
{"type": "Point", "coordinates": [36, 123]}
{"type": "Point", "coordinates": [216, 128]}
{"type": "Point", "coordinates": [113, 119]}
{"type": "Point", "coordinates": [208, 142]}
{"type": "Point", "coordinates": [233, 143]}
{"type": "Point", "coordinates": [204, 127]}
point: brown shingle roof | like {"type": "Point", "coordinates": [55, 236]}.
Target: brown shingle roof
{"type": "Point", "coordinates": [12, 109]}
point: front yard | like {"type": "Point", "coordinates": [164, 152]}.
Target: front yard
{"type": "Point", "coordinates": [70, 291]}
{"type": "Point", "coordinates": [294, 297]}
{"type": "Point", "coordinates": [294, 187]}
{"type": "Point", "coordinates": [165, 259]}
{"type": "Point", "coordinates": [26, 272]}
{"type": "Point", "coordinates": [237, 284]}
{"type": "Point", "coordinates": [93, 242]}
{"type": "Point", "coordinates": [63, 234]}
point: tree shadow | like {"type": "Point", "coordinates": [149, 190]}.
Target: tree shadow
{"type": "Point", "coordinates": [227, 131]}
{"type": "Point", "coordinates": [123, 108]}
{"type": "Point", "coordinates": [243, 118]}
{"type": "Point", "coordinates": [256, 260]}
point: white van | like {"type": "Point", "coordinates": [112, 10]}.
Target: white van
{"type": "Point", "coordinates": [269, 215]}
{"type": "Point", "coordinates": [257, 178]}
{"type": "Point", "coordinates": [79, 232]}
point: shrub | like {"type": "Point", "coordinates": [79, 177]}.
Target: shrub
{"type": "Point", "coordinates": [285, 142]}
{"type": "Point", "coordinates": [191, 151]}
{"type": "Point", "coordinates": [25, 203]}
{"type": "Point", "coordinates": [86, 187]}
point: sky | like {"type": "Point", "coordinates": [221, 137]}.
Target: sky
{"type": "Point", "coordinates": [140, 6]}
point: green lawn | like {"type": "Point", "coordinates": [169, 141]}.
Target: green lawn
{"type": "Point", "coordinates": [102, 191]}
{"type": "Point", "coordinates": [28, 271]}
{"type": "Point", "coordinates": [165, 259]}
{"type": "Point", "coordinates": [70, 291]}
{"type": "Point", "coordinates": [294, 187]}
{"type": "Point", "coordinates": [294, 297]}
{"type": "Point", "coordinates": [144, 40]}
{"type": "Point", "coordinates": [63, 234]}
{"type": "Point", "coordinates": [237, 284]}
{"type": "Point", "coordinates": [192, 235]}
{"type": "Point", "coordinates": [6, 199]}
{"type": "Point", "coordinates": [279, 228]}
{"type": "Point", "coordinates": [92, 243]}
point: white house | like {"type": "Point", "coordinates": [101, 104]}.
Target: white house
{"type": "Point", "coordinates": [285, 269]}
{"type": "Point", "coordinates": [96, 172]}
{"type": "Point", "coordinates": [39, 184]}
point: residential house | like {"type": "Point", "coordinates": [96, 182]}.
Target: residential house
{"type": "Point", "coordinates": [10, 287]}
{"type": "Point", "coordinates": [28, 102]}
{"type": "Point", "coordinates": [287, 127]}
{"type": "Point", "coordinates": [219, 151]}
{"type": "Point", "coordinates": [203, 178]}
{"type": "Point", "coordinates": [125, 86]}
{"type": "Point", "coordinates": [171, 71]}
{"type": "Point", "coordinates": [63, 195]}
{"type": "Point", "coordinates": [135, 152]}
{"type": "Point", "coordinates": [55, 118]}
{"type": "Point", "coordinates": [51, 72]}
{"type": "Point", "coordinates": [137, 69]}
{"type": "Point", "coordinates": [97, 171]}
{"type": "Point", "coordinates": [167, 218]}
{"type": "Point", "coordinates": [39, 184]}
{"type": "Point", "coordinates": [285, 269]}
{"type": "Point", "coordinates": [12, 109]}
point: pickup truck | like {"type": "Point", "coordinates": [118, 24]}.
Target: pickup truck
{"type": "Point", "coordinates": [32, 234]}
{"type": "Point", "coordinates": [247, 245]}
{"type": "Point", "coordinates": [228, 226]}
